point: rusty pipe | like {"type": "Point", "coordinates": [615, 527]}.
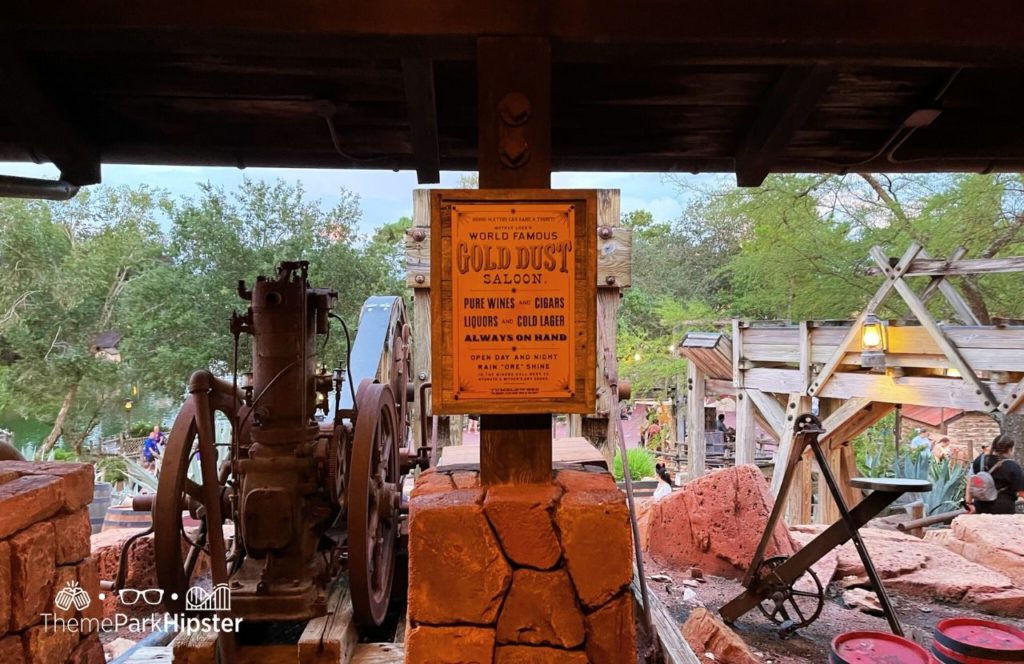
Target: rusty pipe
{"type": "Point", "coordinates": [13, 186]}
{"type": "Point", "coordinates": [945, 517]}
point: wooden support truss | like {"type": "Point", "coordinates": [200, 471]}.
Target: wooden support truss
{"type": "Point", "coordinates": [778, 367]}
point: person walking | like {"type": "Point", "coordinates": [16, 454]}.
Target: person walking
{"type": "Point", "coordinates": [996, 468]}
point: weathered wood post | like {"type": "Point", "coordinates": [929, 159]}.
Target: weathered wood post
{"type": "Point", "coordinates": [513, 560]}
{"type": "Point", "coordinates": [695, 426]}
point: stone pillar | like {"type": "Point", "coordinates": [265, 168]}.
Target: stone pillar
{"type": "Point", "coordinates": [44, 552]}
{"type": "Point", "coordinates": [519, 574]}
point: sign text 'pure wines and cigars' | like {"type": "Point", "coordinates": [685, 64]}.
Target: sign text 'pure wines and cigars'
{"type": "Point", "coordinates": [514, 277]}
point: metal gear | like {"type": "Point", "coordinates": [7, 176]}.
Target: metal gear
{"type": "Point", "coordinates": [786, 604]}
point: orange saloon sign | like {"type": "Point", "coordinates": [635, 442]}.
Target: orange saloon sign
{"type": "Point", "coordinates": [514, 321]}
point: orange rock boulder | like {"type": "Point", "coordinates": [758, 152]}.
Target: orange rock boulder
{"type": "Point", "coordinates": [715, 522]}
{"type": "Point", "coordinates": [706, 634]}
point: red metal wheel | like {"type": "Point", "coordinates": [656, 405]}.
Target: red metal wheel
{"type": "Point", "coordinates": [373, 500]}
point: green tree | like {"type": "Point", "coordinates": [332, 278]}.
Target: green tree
{"type": "Point", "coordinates": [179, 311]}
{"type": "Point", "coordinates": [67, 268]}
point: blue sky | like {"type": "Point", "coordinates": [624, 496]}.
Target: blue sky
{"type": "Point", "coordinates": [385, 195]}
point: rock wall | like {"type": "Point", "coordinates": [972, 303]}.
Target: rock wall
{"type": "Point", "coordinates": [44, 551]}
{"type": "Point", "coordinates": [519, 574]}
{"type": "Point", "coordinates": [919, 568]}
{"type": "Point", "coordinates": [715, 523]}
{"type": "Point", "coordinates": [993, 540]}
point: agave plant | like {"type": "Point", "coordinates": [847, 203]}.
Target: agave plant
{"type": "Point", "coordinates": [948, 479]}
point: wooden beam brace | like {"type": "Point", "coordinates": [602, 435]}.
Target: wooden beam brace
{"type": "Point", "coordinates": [910, 390]}
{"type": "Point", "coordinates": [934, 267]}
{"type": "Point", "coordinates": [1014, 400]}
{"type": "Point", "coordinates": [949, 291]}
{"type": "Point", "coordinates": [41, 124]}
{"type": "Point", "coordinates": [771, 410]}
{"type": "Point", "coordinates": [924, 317]}
{"type": "Point", "coordinates": [782, 114]}
{"type": "Point", "coordinates": [892, 274]}
{"type": "Point", "coordinates": [418, 77]}
{"type": "Point", "coordinates": [846, 412]}
{"type": "Point", "coordinates": [787, 455]}
{"type": "Point", "coordinates": [933, 286]}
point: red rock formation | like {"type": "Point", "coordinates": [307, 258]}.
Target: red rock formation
{"type": "Point", "coordinates": [993, 540]}
{"type": "Point", "coordinates": [922, 569]}
{"type": "Point", "coordinates": [707, 634]}
{"type": "Point", "coordinates": [715, 522]}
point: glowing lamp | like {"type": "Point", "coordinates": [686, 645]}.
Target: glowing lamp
{"type": "Point", "coordinates": [873, 343]}
{"type": "Point", "coordinates": [128, 404]}
{"type": "Point", "coordinates": [636, 358]}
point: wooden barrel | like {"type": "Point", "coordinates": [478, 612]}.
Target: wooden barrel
{"type": "Point", "coordinates": [977, 641]}
{"type": "Point", "coordinates": [876, 648]}
{"type": "Point", "coordinates": [123, 516]}
{"type": "Point", "coordinates": [100, 503]}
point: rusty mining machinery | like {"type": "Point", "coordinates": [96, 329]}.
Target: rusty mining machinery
{"type": "Point", "coordinates": [290, 504]}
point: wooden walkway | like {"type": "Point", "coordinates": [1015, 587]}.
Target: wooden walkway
{"type": "Point", "coordinates": [564, 450]}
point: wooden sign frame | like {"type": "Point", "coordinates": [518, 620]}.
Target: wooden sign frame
{"type": "Point", "coordinates": [462, 383]}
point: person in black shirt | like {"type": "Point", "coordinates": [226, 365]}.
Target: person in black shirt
{"type": "Point", "coordinates": [1008, 477]}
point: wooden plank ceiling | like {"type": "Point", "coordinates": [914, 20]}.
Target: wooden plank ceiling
{"type": "Point", "coordinates": [748, 87]}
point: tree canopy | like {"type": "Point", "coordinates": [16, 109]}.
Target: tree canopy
{"type": "Point", "coordinates": [161, 275]}
{"type": "Point", "coordinates": [797, 248]}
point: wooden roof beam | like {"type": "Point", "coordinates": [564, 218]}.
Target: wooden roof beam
{"type": "Point", "coordinates": [914, 30]}
{"type": "Point", "coordinates": [936, 267]}
{"type": "Point", "coordinates": [790, 102]}
{"type": "Point", "coordinates": [418, 77]}
{"type": "Point", "coordinates": [45, 126]}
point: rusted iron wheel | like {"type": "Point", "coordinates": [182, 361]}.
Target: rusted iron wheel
{"type": "Point", "coordinates": [192, 436]}
{"type": "Point", "coordinates": [787, 604]}
{"type": "Point", "coordinates": [373, 501]}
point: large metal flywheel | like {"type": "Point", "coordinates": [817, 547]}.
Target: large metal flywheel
{"type": "Point", "coordinates": [373, 500]}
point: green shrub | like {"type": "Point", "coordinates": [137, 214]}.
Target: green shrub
{"type": "Point", "coordinates": [61, 454]}
{"type": "Point", "coordinates": [640, 461]}
{"type": "Point", "coordinates": [140, 429]}
{"type": "Point", "coordinates": [112, 469]}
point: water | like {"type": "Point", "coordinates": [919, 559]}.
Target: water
{"type": "Point", "coordinates": [29, 433]}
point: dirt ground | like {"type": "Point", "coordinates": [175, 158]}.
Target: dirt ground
{"type": "Point", "coordinates": [810, 644]}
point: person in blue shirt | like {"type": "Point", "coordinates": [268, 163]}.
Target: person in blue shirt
{"type": "Point", "coordinates": [152, 449]}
